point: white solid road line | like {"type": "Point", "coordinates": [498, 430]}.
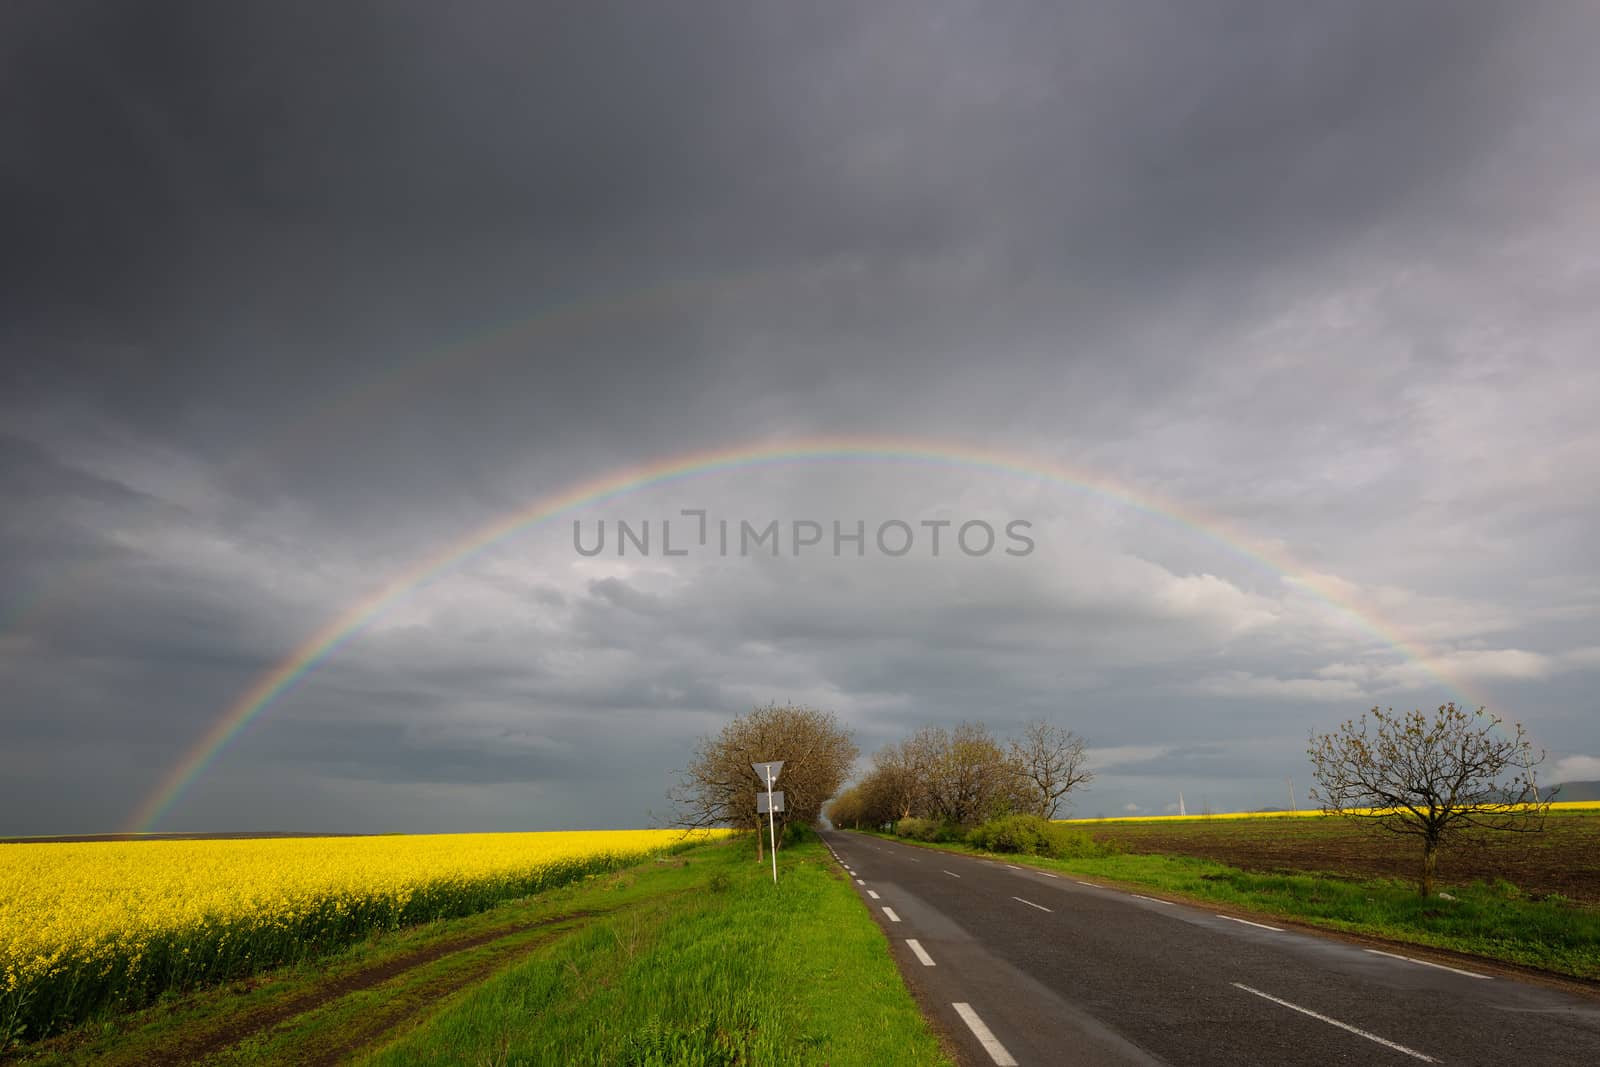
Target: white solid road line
{"type": "Point", "coordinates": [873, 894]}
{"type": "Point", "coordinates": [1413, 1053]}
{"type": "Point", "coordinates": [1247, 922]}
{"type": "Point", "coordinates": [952, 874]}
{"type": "Point", "coordinates": [890, 912]}
{"type": "Point", "coordinates": [986, 1038]}
{"type": "Point", "coordinates": [1156, 900]}
{"type": "Point", "coordinates": [1031, 904]}
{"type": "Point", "coordinates": [1425, 963]}
{"type": "Point", "coordinates": [921, 953]}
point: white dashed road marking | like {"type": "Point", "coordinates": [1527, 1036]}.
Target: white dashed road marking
{"type": "Point", "coordinates": [1413, 1053]}
{"type": "Point", "coordinates": [890, 912]}
{"type": "Point", "coordinates": [873, 895]}
{"type": "Point", "coordinates": [1156, 900]}
{"type": "Point", "coordinates": [997, 1052]}
{"type": "Point", "coordinates": [1031, 904]}
{"type": "Point", "coordinates": [1425, 963]}
{"type": "Point", "coordinates": [1247, 922]}
{"type": "Point", "coordinates": [952, 874]}
{"type": "Point", "coordinates": [921, 953]}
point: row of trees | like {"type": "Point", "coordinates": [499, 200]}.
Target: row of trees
{"type": "Point", "coordinates": [960, 776]}
{"type": "Point", "coordinates": [1430, 778]}
{"type": "Point", "coordinates": [966, 775]}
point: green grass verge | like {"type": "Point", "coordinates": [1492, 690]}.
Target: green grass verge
{"type": "Point", "coordinates": [1493, 922]}
{"type": "Point", "coordinates": [738, 972]}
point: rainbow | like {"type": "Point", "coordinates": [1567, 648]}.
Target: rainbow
{"type": "Point", "coordinates": [342, 627]}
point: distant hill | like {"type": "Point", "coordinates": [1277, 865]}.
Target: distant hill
{"type": "Point", "coordinates": [1579, 791]}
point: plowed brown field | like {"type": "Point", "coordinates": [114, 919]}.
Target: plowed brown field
{"type": "Point", "coordinates": [1564, 858]}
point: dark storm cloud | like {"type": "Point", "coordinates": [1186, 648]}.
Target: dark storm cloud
{"type": "Point", "coordinates": [254, 201]}
{"type": "Point", "coordinates": [295, 294]}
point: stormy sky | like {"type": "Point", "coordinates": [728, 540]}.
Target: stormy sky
{"type": "Point", "coordinates": [298, 295]}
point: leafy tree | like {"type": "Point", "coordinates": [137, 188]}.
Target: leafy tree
{"type": "Point", "coordinates": [1428, 779]}
{"type": "Point", "coordinates": [901, 772]}
{"type": "Point", "coordinates": [719, 786]}
{"type": "Point", "coordinates": [848, 809]}
{"type": "Point", "coordinates": [971, 777]}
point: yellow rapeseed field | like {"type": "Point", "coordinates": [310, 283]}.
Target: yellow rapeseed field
{"type": "Point", "coordinates": [86, 926]}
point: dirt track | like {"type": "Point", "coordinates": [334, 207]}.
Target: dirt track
{"type": "Point", "coordinates": [429, 974]}
{"type": "Point", "coordinates": [264, 1020]}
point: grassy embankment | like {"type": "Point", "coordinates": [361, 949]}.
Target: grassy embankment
{"type": "Point", "coordinates": [1305, 880]}
{"type": "Point", "coordinates": [696, 959]}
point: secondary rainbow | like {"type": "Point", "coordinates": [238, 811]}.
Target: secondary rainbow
{"type": "Point", "coordinates": [339, 629]}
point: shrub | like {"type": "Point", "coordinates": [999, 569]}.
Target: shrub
{"type": "Point", "coordinates": [1023, 834]}
{"type": "Point", "coordinates": [916, 829]}
{"type": "Point", "coordinates": [1068, 843]}
{"type": "Point", "coordinates": [926, 830]}
{"type": "Point", "coordinates": [1031, 835]}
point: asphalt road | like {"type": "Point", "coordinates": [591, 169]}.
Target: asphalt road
{"type": "Point", "coordinates": [1027, 967]}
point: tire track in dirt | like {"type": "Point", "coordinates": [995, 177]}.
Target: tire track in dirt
{"type": "Point", "coordinates": [273, 1016]}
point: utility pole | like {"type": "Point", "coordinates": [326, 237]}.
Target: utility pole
{"type": "Point", "coordinates": [1292, 805]}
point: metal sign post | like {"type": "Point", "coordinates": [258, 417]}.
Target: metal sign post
{"type": "Point", "coordinates": [769, 771]}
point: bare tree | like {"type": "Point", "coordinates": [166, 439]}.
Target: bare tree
{"type": "Point", "coordinates": [1054, 761]}
{"type": "Point", "coordinates": [1426, 779]}
{"type": "Point", "coordinates": [719, 787]}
